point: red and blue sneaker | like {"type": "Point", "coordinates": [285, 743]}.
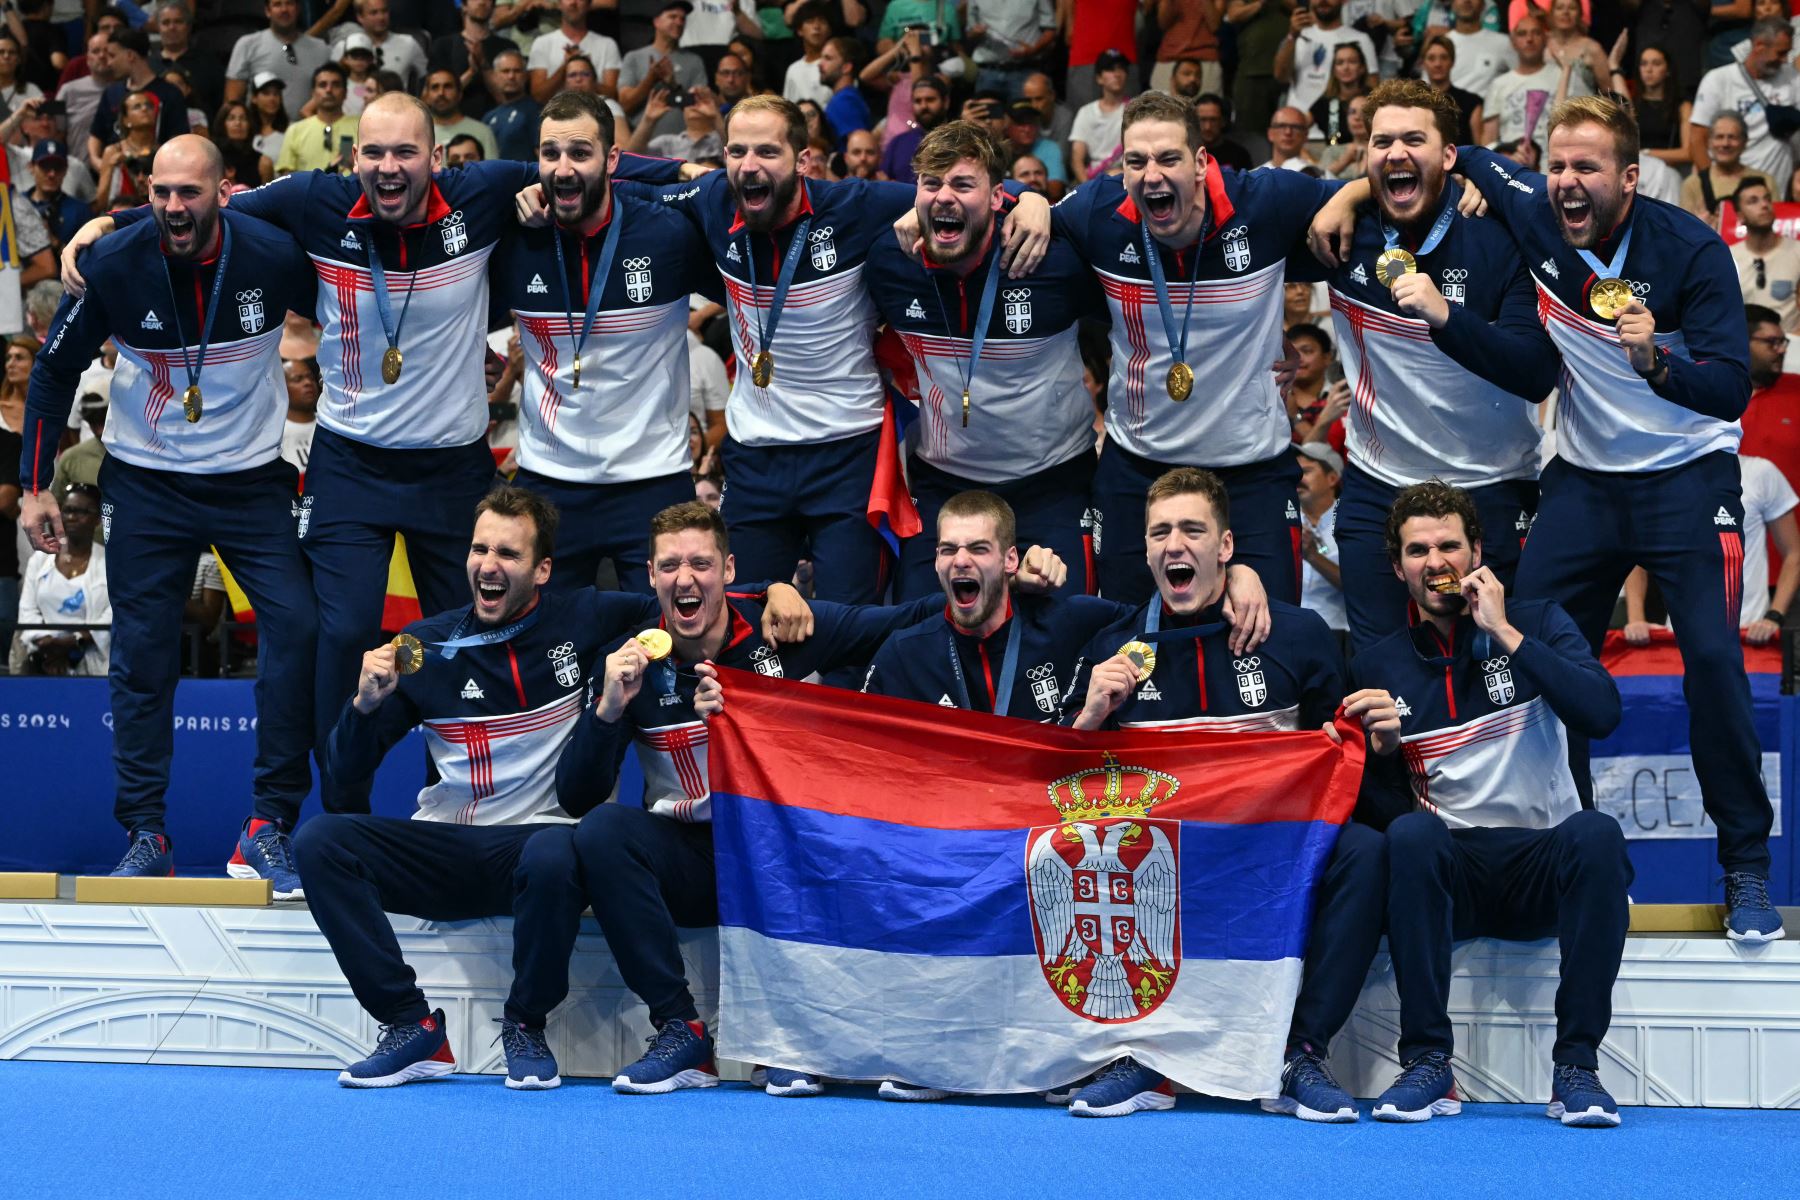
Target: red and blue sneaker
{"type": "Point", "coordinates": [148, 854]}
{"type": "Point", "coordinates": [1577, 1098]}
{"type": "Point", "coordinates": [1126, 1087]}
{"type": "Point", "coordinates": [1425, 1088]}
{"type": "Point", "coordinates": [263, 852]}
{"type": "Point", "coordinates": [680, 1056]}
{"type": "Point", "coordinates": [403, 1054]}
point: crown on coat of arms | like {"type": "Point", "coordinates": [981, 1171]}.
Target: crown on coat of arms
{"type": "Point", "coordinates": [1111, 790]}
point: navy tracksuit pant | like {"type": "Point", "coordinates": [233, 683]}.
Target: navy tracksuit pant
{"type": "Point", "coordinates": [357, 498]}
{"type": "Point", "coordinates": [1049, 508]}
{"type": "Point", "coordinates": [785, 503]}
{"type": "Point", "coordinates": [1374, 598]}
{"type": "Point", "coordinates": [157, 524]}
{"type": "Point", "coordinates": [1265, 522]}
{"type": "Point", "coordinates": [357, 868]}
{"type": "Point", "coordinates": [1349, 909]}
{"type": "Point", "coordinates": [1520, 884]}
{"type": "Point", "coordinates": [600, 521]}
{"type": "Point", "coordinates": [1685, 527]}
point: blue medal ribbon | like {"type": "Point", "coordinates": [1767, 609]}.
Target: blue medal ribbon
{"type": "Point", "coordinates": [459, 637]}
{"type": "Point", "coordinates": [194, 365]}
{"type": "Point", "coordinates": [765, 329]}
{"type": "Point", "coordinates": [1612, 269]}
{"type": "Point", "coordinates": [1154, 632]}
{"type": "Point", "coordinates": [1177, 343]}
{"type": "Point", "coordinates": [1008, 669]}
{"type": "Point", "coordinates": [978, 336]}
{"type": "Point", "coordinates": [383, 306]}
{"type": "Point", "coordinates": [596, 286]}
{"type": "Point", "coordinates": [1390, 236]}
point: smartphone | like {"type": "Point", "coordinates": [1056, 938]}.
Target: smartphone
{"type": "Point", "coordinates": [680, 98]}
{"type": "Point", "coordinates": [53, 108]}
{"type": "Point", "coordinates": [927, 35]}
{"type": "Point", "coordinates": [1334, 374]}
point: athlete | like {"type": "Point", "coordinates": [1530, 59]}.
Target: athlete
{"type": "Point", "coordinates": [1190, 256]}
{"type": "Point", "coordinates": [497, 685]}
{"type": "Point", "coordinates": [1442, 349]}
{"type": "Point", "coordinates": [1192, 679]}
{"type": "Point", "coordinates": [1475, 702]}
{"type": "Point", "coordinates": [194, 300]}
{"type": "Point", "coordinates": [1641, 298]}
{"type": "Point", "coordinates": [601, 301]}
{"type": "Point", "coordinates": [1008, 346]}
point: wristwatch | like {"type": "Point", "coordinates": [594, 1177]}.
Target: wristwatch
{"type": "Point", "coordinates": [1659, 366]}
{"type": "Point", "coordinates": [1775, 615]}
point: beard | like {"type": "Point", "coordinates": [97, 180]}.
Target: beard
{"type": "Point", "coordinates": [592, 193]}
{"type": "Point", "coordinates": [781, 195]}
{"type": "Point", "coordinates": [202, 228]}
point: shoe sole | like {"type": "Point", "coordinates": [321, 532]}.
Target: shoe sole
{"type": "Point", "coordinates": [246, 871]}
{"type": "Point", "coordinates": [1593, 1118]}
{"type": "Point", "coordinates": [1437, 1108]}
{"type": "Point", "coordinates": [429, 1069]}
{"type": "Point", "coordinates": [682, 1079]}
{"type": "Point", "coordinates": [1142, 1102]}
{"type": "Point", "coordinates": [888, 1091]}
{"type": "Point", "coordinates": [1288, 1106]}
{"type": "Point", "coordinates": [531, 1083]}
{"type": "Point", "coordinates": [794, 1089]}
{"type": "Point", "coordinates": [1753, 938]}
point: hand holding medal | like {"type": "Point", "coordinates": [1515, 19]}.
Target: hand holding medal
{"type": "Point", "coordinates": [1636, 329]}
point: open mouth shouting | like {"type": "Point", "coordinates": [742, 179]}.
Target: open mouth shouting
{"type": "Point", "coordinates": [567, 194]}
{"type": "Point", "coordinates": [1180, 578]}
{"type": "Point", "coordinates": [687, 610]}
{"type": "Point", "coordinates": [965, 593]}
{"type": "Point", "coordinates": [1159, 204]}
{"type": "Point", "coordinates": [1575, 209]}
{"type": "Point", "coordinates": [1402, 185]}
{"type": "Point", "coordinates": [390, 193]}
{"type": "Point", "coordinates": [490, 596]}
{"type": "Point", "coordinates": [947, 228]}
{"type": "Point", "coordinates": [180, 230]}
{"type": "Point", "coordinates": [754, 194]}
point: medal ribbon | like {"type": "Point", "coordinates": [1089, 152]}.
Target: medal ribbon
{"type": "Point", "coordinates": [383, 306]}
{"type": "Point", "coordinates": [1612, 269]}
{"type": "Point", "coordinates": [596, 286]}
{"type": "Point", "coordinates": [1177, 345]}
{"type": "Point", "coordinates": [765, 330]}
{"type": "Point", "coordinates": [1008, 668]}
{"type": "Point", "coordinates": [1154, 632]}
{"type": "Point", "coordinates": [194, 365]}
{"type": "Point", "coordinates": [1390, 236]}
{"type": "Point", "coordinates": [983, 314]}
{"type": "Point", "coordinates": [458, 640]}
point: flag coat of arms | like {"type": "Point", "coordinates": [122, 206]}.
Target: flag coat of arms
{"type": "Point", "coordinates": [991, 906]}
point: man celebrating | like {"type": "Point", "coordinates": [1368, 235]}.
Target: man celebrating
{"type": "Point", "coordinates": [1471, 709]}
{"type": "Point", "coordinates": [1175, 664]}
{"type": "Point", "coordinates": [1646, 471]}
{"type": "Point", "coordinates": [193, 459]}
{"type": "Point", "coordinates": [497, 685]}
{"type": "Point", "coordinates": [603, 432]}
{"type": "Point", "coordinates": [1437, 323]}
{"type": "Point", "coordinates": [1001, 404]}
{"type": "Point", "coordinates": [1190, 256]}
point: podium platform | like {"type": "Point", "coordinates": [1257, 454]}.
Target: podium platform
{"type": "Point", "coordinates": [1698, 1021]}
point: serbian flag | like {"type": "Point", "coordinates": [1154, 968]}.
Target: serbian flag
{"type": "Point", "coordinates": [988, 905]}
{"type": "Point", "coordinates": [891, 510]}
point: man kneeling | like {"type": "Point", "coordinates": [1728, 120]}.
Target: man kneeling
{"type": "Point", "coordinates": [1478, 697]}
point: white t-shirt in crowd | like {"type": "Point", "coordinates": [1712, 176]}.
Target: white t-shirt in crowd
{"type": "Point", "coordinates": [1658, 180]}
{"type": "Point", "coordinates": [1316, 591]}
{"type": "Point", "coordinates": [1480, 58]}
{"type": "Point", "coordinates": [714, 22]}
{"type": "Point", "coordinates": [1523, 103]}
{"type": "Point", "coordinates": [707, 386]}
{"type": "Point", "coordinates": [1767, 496]}
{"type": "Point", "coordinates": [547, 52]}
{"type": "Point", "coordinates": [1100, 130]}
{"type": "Point", "coordinates": [1727, 89]}
{"type": "Point", "coordinates": [1313, 51]}
{"type": "Point", "coordinates": [46, 597]}
{"type": "Point", "coordinates": [296, 442]}
{"type": "Point", "coordinates": [803, 82]}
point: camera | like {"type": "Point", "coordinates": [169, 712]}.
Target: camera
{"type": "Point", "coordinates": [680, 97]}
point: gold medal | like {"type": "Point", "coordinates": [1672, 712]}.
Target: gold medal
{"type": "Point", "coordinates": [409, 653]}
{"type": "Point", "coordinates": [1180, 381]}
{"type": "Point", "coordinates": [1610, 297]}
{"type": "Point", "coordinates": [656, 643]}
{"type": "Point", "coordinates": [965, 408]}
{"type": "Point", "coordinates": [577, 380]}
{"type": "Point", "coordinates": [762, 368]}
{"type": "Point", "coordinates": [1392, 263]}
{"type": "Point", "coordinates": [190, 403]}
{"type": "Point", "coordinates": [1142, 656]}
{"type": "Point", "coordinates": [391, 362]}
{"type": "Point", "coordinates": [1447, 584]}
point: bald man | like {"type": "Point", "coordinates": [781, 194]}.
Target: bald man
{"type": "Point", "coordinates": [195, 300]}
{"type": "Point", "coordinates": [862, 155]}
{"type": "Point", "coordinates": [400, 250]}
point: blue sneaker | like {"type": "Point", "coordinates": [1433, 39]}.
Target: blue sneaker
{"type": "Point", "coordinates": [1062, 1095]}
{"type": "Point", "coordinates": [894, 1089]}
{"type": "Point", "coordinates": [1578, 1099]}
{"type": "Point", "coordinates": [263, 852]}
{"type": "Point", "coordinates": [1124, 1088]}
{"type": "Point", "coordinates": [680, 1056]}
{"type": "Point", "coordinates": [1309, 1092]}
{"type": "Point", "coordinates": [1749, 917]}
{"type": "Point", "coordinates": [530, 1067]}
{"type": "Point", "coordinates": [1425, 1088]}
{"type": "Point", "coordinates": [404, 1053]}
{"type": "Point", "coordinates": [779, 1081]}
{"type": "Point", "coordinates": [148, 854]}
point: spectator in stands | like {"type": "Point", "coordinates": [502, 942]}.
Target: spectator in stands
{"type": "Point", "coordinates": [710, 490]}
{"type": "Point", "coordinates": [362, 83]}
{"type": "Point", "coordinates": [283, 51]}
{"type": "Point", "coordinates": [81, 97]}
{"type": "Point", "coordinates": [513, 119]}
{"type": "Point", "coordinates": [580, 75]}
{"type": "Point", "coordinates": [322, 141]}
{"type": "Point", "coordinates": [1025, 135]}
{"type": "Point", "coordinates": [1215, 131]}
{"type": "Point", "coordinates": [123, 168]}
{"type": "Point", "coordinates": [1306, 399]}
{"type": "Point", "coordinates": [80, 463]}
{"type": "Point", "coordinates": [1723, 171]}
{"type": "Point", "coordinates": [711, 28]}
{"type": "Point", "coordinates": [443, 96]}
{"type": "Point", "coordinates": [42, 299]}
{"type": "Point", "coordinates": [1768, 264]}
{"type": "Point", "coordinates": [462, 150]}
{"type": "Point", "coordinates": [68, 588]}
{"type": "Point", "coordinates": [268, 105]}
{"type": "Point", "coordinates": [1517, 104]}
{"type": "Point", "coordinates": [1349, 80]}
{"type": "Point", "coordinates": [1437, 66]}
{"type": "Point", "coordinates": [303, 383]}
{"type": "Point", "coordinates": [1349, 159]}
{"type": "Point", "coordinates": [195, 119]}
{"type": "Point", "coordinates": [1007, 39]}
{"type": "Point", "coordinates": [1261, 28]}
{"type": "Point", "coordinates": [471, 52]}
{"type": "Point", "coordinates": [1029, 170]}
{"type": "Point", "coordinates": [27, 256]}
{"type": "Point", "coordinates": [14, 90]}
{"type": "Point", "coordinates": [1679, 28]}
{"type": "Point", "coordinates": [1091, 29]}
{"type": "Point", "coordinates": [1305, 60]}
{"type": "Point", "coordinates": [396, 52]}
{"type": "Point", "coordinates": [847, 110]}
{"type": "Point", "coordinates": [930, 105]}
{"type": "Point", "coordinates": [1566, 41]}
{"type": "Point", "coordinates": [731, 81]}
{"type": "Point", "coordinates": [12, 448]}
{"type": "Point", "coordinates": [700, 137]}
{"type": "Point", "coordinates": [79, 67]}
{"type": "Point", "coordinates": [1297, 307]}
{"type": "Point", "coordinates": [1058, 120]}
{"type": "Point", "coordinates": [1483, 54]}
{"type": "Point", "coordinates": [1096, 137]}
{"type": "Point", "coordinates": [28, 126]}
{"type": "Point", "coordinates": [1190, 34]}
{"type": "Point", "coordinates": [862, 155]}
{"type": "Point", "coordinates": [812, 24]}
{"type": "Point", "coordinates": [231, 132]}
{"type": "Point", "coordinates": [1764, 78]}
{"type": "Point", "coordinates": [551, 52]}
{"type": "Point", "coordinates": [1663, 112]}
{"type": "Point", "coordinates": [1772, 422]}
{"type": "Point", "coordinates": [662, 64]}
{"type": "Point", "coordinates": [708, 389]}
{"type": "Point", "coordinates": [814, 117]}
{"type": "Point", "coordinates": [1321, 584]}
{"type": "Point", "coordinates": [204, 609]}
{"type": "Point", "coordinates": [1287, 142]}
{"type": "Point", "coordinates": [62, 213]}
{"type": "Point", "coordinates": [175, 48]}
{"type": "Point", "coordinates": [130, 57]}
